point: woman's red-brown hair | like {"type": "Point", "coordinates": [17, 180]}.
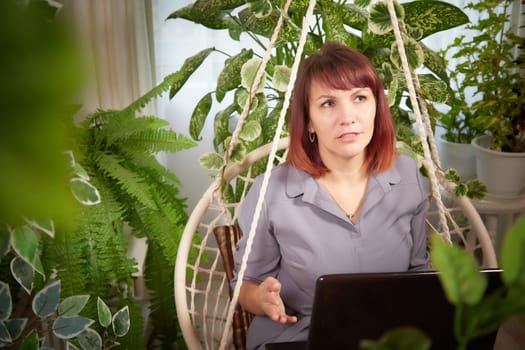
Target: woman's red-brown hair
{"type": "Point", "coordinates": [339, 67]}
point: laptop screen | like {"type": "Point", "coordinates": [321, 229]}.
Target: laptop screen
{"type": "Point", "coordinates": [350, 307]}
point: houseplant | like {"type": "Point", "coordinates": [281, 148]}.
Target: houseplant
{"type": "Point", "coordinates": [84, 187]}
{"type": "Point", "coordinates": [477, 313]}
{"type": "Point", "coordinates": [333, 20]}
{"type": "Point", "coordinates": [489, 68]}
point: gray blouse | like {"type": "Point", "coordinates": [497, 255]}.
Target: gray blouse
{"type": "Point", "coordinates": [303, 234]}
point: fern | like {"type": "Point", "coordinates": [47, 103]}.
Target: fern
{"type": "Point", "coordinates": [159, 280]}
{"type": "Point", "coordinates": [125, 178]}
{"type": "Point", "coordinates": [158, 140]}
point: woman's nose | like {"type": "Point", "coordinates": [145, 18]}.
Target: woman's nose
{"type": "Point", "coordinates": [347, 113]}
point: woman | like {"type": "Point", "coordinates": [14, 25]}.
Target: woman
{"type": "Point", "coordinates": [345, 202]}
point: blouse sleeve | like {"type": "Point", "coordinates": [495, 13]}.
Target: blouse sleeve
{"type": "Point", "coordinates": [264, 258]}
{"type": "Point", "coordinates": [420, 259]}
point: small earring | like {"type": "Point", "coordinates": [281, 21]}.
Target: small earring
{"type": "Point", "coordinates": [311, 137]}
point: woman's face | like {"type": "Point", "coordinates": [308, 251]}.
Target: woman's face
{"type": "Point", "coordinates": [343, 121]}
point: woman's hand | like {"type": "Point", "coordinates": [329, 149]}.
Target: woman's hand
{"type": "Point", "coordinates": [265, 299]}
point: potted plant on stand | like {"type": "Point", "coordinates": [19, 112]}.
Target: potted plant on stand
{"type": "Point", "coordinates": [455, 133]}
{"type": "Point", "coordinates": [490, 69]}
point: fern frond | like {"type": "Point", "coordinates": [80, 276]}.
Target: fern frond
{"type": "Point", "coordinates": [128, 180]}
{"type": "Point", "coordinates": [151, 168]}
{"type": "Point", "coordinates": [155, 141]}
{"type": "Point", "coordinates": [122, 125]}
{"type": "Point", "coordinates": [157, 91]}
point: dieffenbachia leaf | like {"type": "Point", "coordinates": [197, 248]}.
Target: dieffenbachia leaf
{"type": "Point", "coordinates": [230, 76]}
{"type": "Point", "coordinates": [190, 65]}
{"type": "Point", "coordinates": [199, 115]}
{"type": "Point", "coordinates": [260, 8]}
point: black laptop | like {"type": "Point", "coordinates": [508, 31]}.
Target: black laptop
{"type": "Point", "coordinates": [350, 307]}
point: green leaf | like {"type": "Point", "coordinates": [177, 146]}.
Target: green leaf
{"type": "Point", "coordinates": [6, 303]}
{"type": "Point", "coordinates": [104, 314]}
{"type": "Point", "coordinates": [30, 342]}
{"type": "Point", "coordinates": [459, 273]}
{"type": "Point", "coordinates": [45, 302]}
{"type": "Point", "coordinates": [230, 76]}
{"type": "Point", "coordinates": [4, 242]}
{"type": "Point", "coordinates": [90, 340]}
{"type": "Point", "coordinates": [72, 305]}
{"type": "Point", "coordinates": [23, 273]}
{"type": "Point", "coordinates": [260, 8]}
{"type": "Point", "coordinates": [379, 19]}
{"type": "Point", "coordinates": [432, 16]}
{"type": "Point", "coordinates": [190, 65]}
{"type": "Point", "coordinates": [84, 192]}
{"type": "Point", "coordinates": [433, 89]}
{"type": "Point", "coordinates": [47, 227]}
{"type": "Point", "coordinates": [403, 338]}
{"type": "Point", "coordinates": [239, 152]}
{"type": "Point", "coordinates": [211, 161]}
{"type": "Point", "coordinates": [5, 336]}
{"type": "Point", "coordinates": [121, 322]}
{"type": "Point", "coordinates": [414, 53]}
{"type": "Point", "coordinates": [281, 78]}
{"type": "Point", "coordinates": [251, 130]}
{"type": "Point", "coordinates": [65, 327]}
{"type": "Point", "coordinates": [25, 243]}
{"type": "Point", "coordinates": [71, 346]}
{"type": "Point", "coordinates": [513, 255]}
{"type": "Point", "coordinates": [199, 115]}
{"type": "Point", "coordinates": [15, 327]}
{"type": "Point", "coordinates": [248, 73]}
{"type": "Point", "coordinates": [333, 24]}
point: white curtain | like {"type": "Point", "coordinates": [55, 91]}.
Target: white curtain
{"type": "Point", "coordinates": [114, 37]}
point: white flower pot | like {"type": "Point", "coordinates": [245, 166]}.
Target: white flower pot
{"type": "Point", "coordinates": [502, 172]}
{"type": "Point", "coordinates": [459, 156]}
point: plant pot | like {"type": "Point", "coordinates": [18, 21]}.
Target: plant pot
{"type": "Point", "coordinates": [459, 156]}
{"type": "Point", "coordinates": [502, 172]}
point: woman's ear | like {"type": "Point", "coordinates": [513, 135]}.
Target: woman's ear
{"type": "Point", "coordinates": [310, 128]}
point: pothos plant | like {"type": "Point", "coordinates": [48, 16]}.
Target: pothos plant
{"type": "Point", "coordinates": [358, 24]}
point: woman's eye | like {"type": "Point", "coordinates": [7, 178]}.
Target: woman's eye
{"type": "Point", "coordinates": [327, 104]}
{"type": "Point", "coordinates": [360, 98]}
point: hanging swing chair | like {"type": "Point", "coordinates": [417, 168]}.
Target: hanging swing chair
{"type": "Point", "coordinates": [207, 309]}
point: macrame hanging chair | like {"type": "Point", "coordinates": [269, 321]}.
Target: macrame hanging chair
{"type": "Point", "coordinates": [207, 309]}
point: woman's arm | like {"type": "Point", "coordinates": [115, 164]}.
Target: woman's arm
{"type": "Point", "coordinates": [264, 299]}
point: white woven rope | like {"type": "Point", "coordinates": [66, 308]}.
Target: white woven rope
{"type": "Point", "coordinates": [269, 166]}
{"type": "Point", "coordinates": [429, 164]}
{"type": "Point", "coordinates": [256, 81]}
